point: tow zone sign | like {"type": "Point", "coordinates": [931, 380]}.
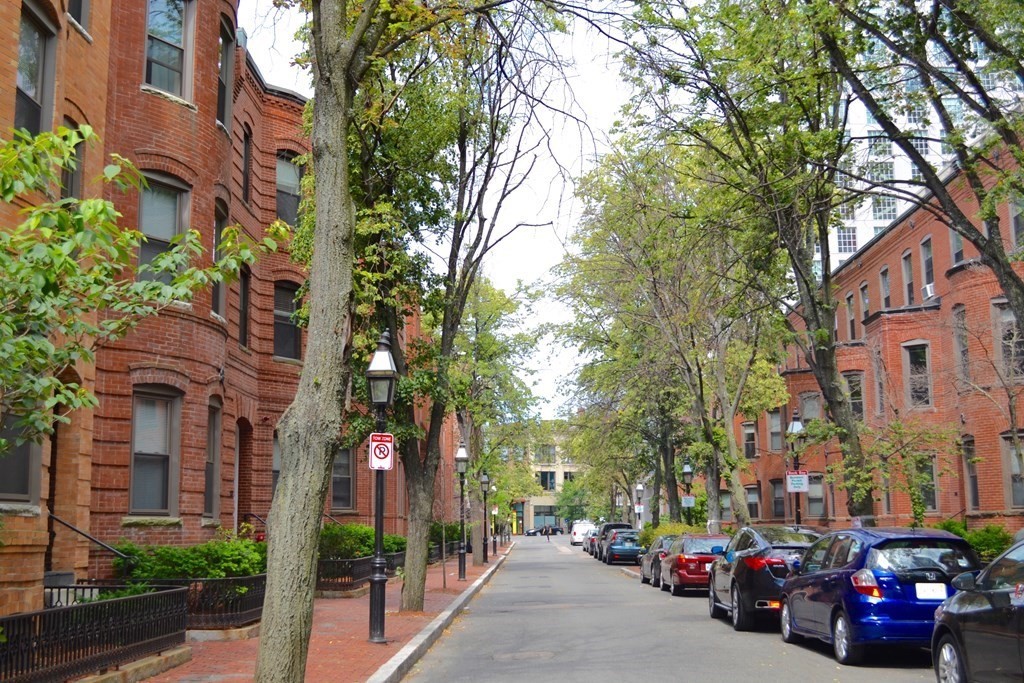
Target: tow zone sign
{"type": "Point", "coordinates": [382, 451]}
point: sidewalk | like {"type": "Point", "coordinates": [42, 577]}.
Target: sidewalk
{"type": "Point", "coordinates": [339, 648]}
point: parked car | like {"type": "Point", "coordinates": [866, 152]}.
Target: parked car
{"type": "Point", "coordinates": [579, 530]}
{"type": "Point", "coordinates": [623, 545]}
{"type": "Point", "coordinates": [861, 587]}
{"type": "Point", "coordinates": [686, 563]}
{"type": "Point", "coordinates": [978, 630]}
{"type": "Point", "coordinates": [590, 541]}
{"type": "Point", "coordinates": [746, 579]}
{"type": "Point", "coordinates": [650, 562]}
{"type": "Point", "coordinates": [602, 537]}
{"type": "Point", "coordinates": [531, 532]}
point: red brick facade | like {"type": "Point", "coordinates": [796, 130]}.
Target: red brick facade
{"type": "Point", "coordinates": [189, 355]}
{"type": "Point", "coordinates": [876, 345]}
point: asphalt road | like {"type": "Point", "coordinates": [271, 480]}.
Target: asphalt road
{"type": "Point", "coordinates": [552, 613]}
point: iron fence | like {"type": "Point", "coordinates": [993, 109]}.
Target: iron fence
{"type": "Point", "coordinates": [91, 634]}
{"type": "Point", "coordinates": [222, 603]}
{"type": "Point", "coordinates": [342, 575]}
{"type": "Point", "coordinates": [394, 560]}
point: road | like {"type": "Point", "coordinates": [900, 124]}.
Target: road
{"type": "Point", "coordinates": [552, 613]}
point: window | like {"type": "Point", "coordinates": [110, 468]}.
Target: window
{"type": "Point", "coordinates": [816, 495]}
{"type": "Point", "coordinates": [927, 263]}
{"type": "Point", "coordinates": [1017, 221]}
{"type": "Point", "coordinates": [71, 175]}
{"type": "Point", "coordinates": [162, 217]}
{"type": "Point", "coordinates": [288, 178]}
{"type": "Point", "coordinates": [568, 476]}
{"type": "Point", "coordinates": [970, 472]}
{"type": "Point", "coordinates": [778, 499]}
{"type": "Point", "coordinates": [846, 239]}
{"type": "Point", "coordinates": [218, 290]}
{"type": "Point", "coordinates": [79, 11]}
{"type": "Point", "coordinates": [960, 349]}
{"type": "Point", "coordinates": [883, 208]}
{"type": "Point", "coordinates": [546, 453]}
{"type": "Point", "coordinates": [725, 505]}
{"type": "Point", "coordinates": [855, 389]}
{"type": "Point", "coordinates": [1016, 469]}
{"type": "Point", "coordinates": [167, 49]}
{"type": "Point", "coordinates": [547, 480]}
{"type": "Point", "coordinates": [155, 433]}
{"type": "Point", "coordinates": [810, 407]}
{"type": "Point", "coordinates": [851, 317]}
{"type": "Point", "coordinates": [956, 246]}
{"type": "Point", "coordinates": [883, 284]}
{"type": "Point", "coordinates": [211, 490]}
{"type": "Point", "coordinates": [879, 144]}
{"type": "Point", "coordinates": [341, 481]}
{"type": "Point", "coordinates": [928, 487]}
{"type": "Point", "coordinates": [886, 496]}
{"type": "Point", "coordinates": [865, 301]}
{"type": "Point", "coordinates": [275, 466]}
{"type": "Point", "coordinates": [244, 287]}
{"type": "Point", "coordinates": [775, 430]}
{"type": "Point", "coordinates": [33, 100]}
{"type": "Point", "coordinates": [753, 501]}
{"type": "Point", "coordinates": [749, 440]}
{"type": "Point", "coordinates": [920, 143]}
{"type": "Point", "coordinates": [246, 163]}
{"type": "Point", "coordinates": [917, 115]}
{"type": "Point", "coordinates": [880, 171]}
{"type": "Point", "coordinates": [287, 334]}
{"type": "Point", "coordinates": [878, 367]}
{"type": "Point", "coordinates": [19, 466]}
{"type": "Point", "coordinates": [917, 374]}
{"type": "Point", "coordinates": [224, 71]}
{"type": "Point", "coordinates": [1011, 341]}
{"type": "Point", "coordinates": [908, 279]}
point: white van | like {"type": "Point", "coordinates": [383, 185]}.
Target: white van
{"type": "Point", "coordinates": [579, 530]}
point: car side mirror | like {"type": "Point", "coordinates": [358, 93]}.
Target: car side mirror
{"type": "Point", "coordinates": [730, 556]}
{"type": "Point", "coordinates": [965, 582]}
{"type": "Point", "coordinates": [717, 550]}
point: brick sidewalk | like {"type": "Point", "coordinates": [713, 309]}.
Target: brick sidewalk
{"type": "Point", "coordinates": [339, 648]}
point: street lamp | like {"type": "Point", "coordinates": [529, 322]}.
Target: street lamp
{"type": "Point", "coordinates": [461, 463]}
{"type": "Point", "coordinates": [381, 376]}
{"type": "Point", "coordinates": [494, 525]}
{"type": "Point", "coordinates": [485, 483]}
{"type": "Point", "coordinates": [794, 432]}
{"type": "Point", "coordinates": [687, 481]}
{"type": "Point", "coordinates": [639, 506]}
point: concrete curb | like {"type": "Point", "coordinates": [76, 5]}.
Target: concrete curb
{"type": "Point", "coordinates": [630, 572]}
{"type": "Point", "coordinates": [400, 664]}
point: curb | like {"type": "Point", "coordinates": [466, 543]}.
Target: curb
{"type": "Point", "coordinates": [395, 668]}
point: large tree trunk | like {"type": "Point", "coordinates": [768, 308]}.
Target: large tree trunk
{"type": "Point", "coordinates": [668, 460]}
{"type": "Point", "coordinates": [309, 430]}
{"type": "Point", "coordinates": [421, 500]}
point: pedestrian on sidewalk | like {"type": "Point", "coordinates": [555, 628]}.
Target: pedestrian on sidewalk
{"type": "Point", "coordinates": [547, 534]}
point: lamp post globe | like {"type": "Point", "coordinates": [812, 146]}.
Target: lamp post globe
{"type": "Point", "coordinates": [795, 432]}
{"type": "Point", "coordinates": [461, 464]}
{"type": "Point", "coordinates": [485, 483]}
{"type": "Point", "coordinates": [381, 376]}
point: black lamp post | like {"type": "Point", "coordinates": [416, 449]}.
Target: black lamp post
{"type": "Point", "coordinates": [461, 462]}
{"type": "Point", "coordinates": [494, 526]}
{"type": "Point", "coordinates": [485, 483]}
{"type": "Point", "coordinates": [687, 481]}
{"type": "Point", "coordinates": [381, 376]}
{"type": "Point", "coordinates": [795, 431]}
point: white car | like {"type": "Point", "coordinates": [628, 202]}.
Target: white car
{"type": "Point", "coordinates": [579, 530]}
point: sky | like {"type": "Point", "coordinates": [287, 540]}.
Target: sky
{"type": "Point", "coordinates": [530, 253]}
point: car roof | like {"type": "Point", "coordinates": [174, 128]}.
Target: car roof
{"type": "Point", "coordinates": [887, 533]}
{"type": "Point", "coordinates": [706, 536]}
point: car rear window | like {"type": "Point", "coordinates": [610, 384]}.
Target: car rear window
{"type": "Point", "coordinates": [777, 536]}
{"type": "Point", "coordinates": [703, 546]}
{"type": "Point", "coordinates": [922, 553]}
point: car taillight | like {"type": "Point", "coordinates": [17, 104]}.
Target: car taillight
{"type": "Point", "coordinates": [865, 583]}
{"type": "Point", "coordinates": [758, 562]}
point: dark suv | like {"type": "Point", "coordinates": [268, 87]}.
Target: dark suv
{"type": "Point", "coordinates": [602, 536]}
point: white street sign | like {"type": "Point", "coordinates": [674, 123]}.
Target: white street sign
{"type": "Point", "coordinates": [797, 481]}
{"type": "Point", "coordinates": [382, 451]}
{"type": "Point", "coordinates": [689, 501]}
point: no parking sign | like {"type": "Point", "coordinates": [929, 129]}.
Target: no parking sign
{"type": "Point", "coordinates": [382, 451]}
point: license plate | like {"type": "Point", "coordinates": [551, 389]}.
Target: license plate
{"type": "Point", "coordinates": [931, 591]}
{"type": "Point", "coordinates": [706, 566]}
{"type": "Point", "coordinates": [629, 544]}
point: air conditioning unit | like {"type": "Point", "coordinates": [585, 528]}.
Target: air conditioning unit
{"type": "Point", "coordinates": [928, 291]}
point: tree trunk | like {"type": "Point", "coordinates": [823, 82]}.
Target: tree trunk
{"type": "Point", "coordinates": [414, 583]}
{"type": "Point", "coordinates": [668, 459]}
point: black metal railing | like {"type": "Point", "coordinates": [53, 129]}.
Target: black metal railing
{"type": "Point", "coordinates": [222, 603]}
{"type": "Point", "coordinates": [342, 575]}
{"type": "Point", "coordinates": [394, 561]}
{"type": "Point", "coordinates": [71, 641]}
{"type": "Point", "coordinates": [129, 561]}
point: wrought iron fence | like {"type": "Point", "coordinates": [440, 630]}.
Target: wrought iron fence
{"type": "Point", "coordinates": [451, 549]}
{"type": "Point", "coordinates": [77, 639]}
{"type": "Point", "coordinates": [222, 603]}
{"type": "Point", "coordinates": [342, 575]}
{"type": "Point", "coordinates": [394, 560]}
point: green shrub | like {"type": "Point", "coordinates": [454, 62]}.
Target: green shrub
{"type": "Point", "coordinates": [451, 532]}
{"type": "Point", "coordinates": [393, 543]}
{"type": "Point", "coordinates": [953, 526]}
{"type": "Point", "coordinates": [345, 541]}
{"type": "Point", "coordinates": [989, 541]}
{"type": "Point", "coordinates": [649, 533]}
{"type": "Point", "coordinates": [219, 558]}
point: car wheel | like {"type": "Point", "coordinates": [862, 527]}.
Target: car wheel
{"type": "Point", "coordinates": [714, 609]}
{"type": "Point", "coordinates": [786, 624]}
{"type": "Point", "coordinates": [846, 651]}
{"type": "Point", "coordinates": [949, 661]}
{"type": "Point", "coordinates": [677, 590]}
{"type": "Point", "coordinates": [741, 620]}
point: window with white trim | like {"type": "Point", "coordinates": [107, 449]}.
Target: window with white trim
{"type": "Point", "coordinates": [883, 284]}
{"type": "Point", "coordinates": [753, 494]}
{"type": "Point", "coordinates": [169, 46]}
{"type": "Point", "coordinates": [865, 301]}
{"type": "Point", "coordinates": [956, 242]}
{"type": "Point", "coordinates": [929, 486]}
{"type": "Point", "coordinates": [816, 495]}
{"type": "Point", "coordinates": [908, 278]}
{"type": "Point", "coordinates": [725, 505]}
{"type": "Point", "coordinates": [225, 71]}
{"type": "Point", "coordinates": [776, 442]}
{"type": "Point", "coordinates": [156, 430]}
{"type": "Point", "coordinates": [883, 208]}
{"type": "Point", "coordinates": [778, 499]}
{"type": "Point", "coordinates": [287, 333]}
{"type": "Point", "coordinates": [289, 178]}
{"type": "Point", "coordinates": [749, 440]}
{"type": "Point", "coordinates": [163, 215]}
{"type": "Point", "coordinates": [927, 262]}
{"type": "Point", "coordinates": [917, 375]}
{"type": "Point", "coordinates": [846, 239]}
{"type": "Point", "coordinates": [855, 390]}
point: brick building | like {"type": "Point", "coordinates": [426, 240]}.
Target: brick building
{"type": "Point", "coordinates": [182, 442]}
{"type": "Point", "coordinates": [925, 336]}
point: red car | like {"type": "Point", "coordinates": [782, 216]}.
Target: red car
{"type": "Point", "coordinates": [686, 563]}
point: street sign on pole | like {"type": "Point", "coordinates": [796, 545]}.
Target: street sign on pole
{"type": "Point", "coordinates": [689, 501]}
{"type": "Point", "coordinates": [797, 481]}
{"type": "Point", "coordinates": [382, 451]}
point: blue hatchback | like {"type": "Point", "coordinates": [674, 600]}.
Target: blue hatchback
{"type": "Point", "coordinates": [861, 587]}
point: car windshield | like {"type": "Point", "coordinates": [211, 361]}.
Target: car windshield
{"type": "Point", "coordinates": [703, 546]}
{"type": "Point", "coordinates": [782, 536]}
{"type": "Point", "coordinates": [625, 537]}
{"type": "Point", "coordinates": [906, 555]}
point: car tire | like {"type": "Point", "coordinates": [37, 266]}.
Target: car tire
{"type": "Point", "coordinates": [741, 619]}
{"type": "Point", "coordinates": [676, 589]}
{"type": "Point", "coordinates": [715, 611]}
{"type": "Point", "coordinates": [786, 624]}
{"type": "Point", "coordinates": [656, 578]}
{"type": "Point", "coordinates": [846, 651]}
{"type": "Point", "coordinates": [949, 661]}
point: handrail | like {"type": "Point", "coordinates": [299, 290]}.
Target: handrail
{"type": "Point", "coordinates": [95, 540]}
{"type": "Point", "coordinates": [331, 518]}
{"type": "Point", "coordinates": [250, 515]}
